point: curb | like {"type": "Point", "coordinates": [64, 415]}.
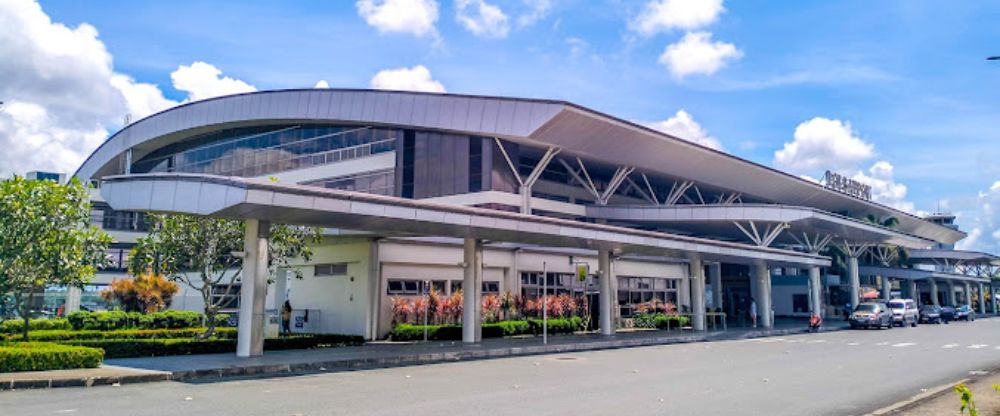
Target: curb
{"type": "Point", "coordinates": [353, 364]}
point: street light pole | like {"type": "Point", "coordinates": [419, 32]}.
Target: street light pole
{"type": "Point", "coordinates": [545, 303]}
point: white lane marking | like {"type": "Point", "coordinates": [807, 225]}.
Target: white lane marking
{"type": "Point", "coordinates": [949, 345]}
{"type": "Point", "coordinates": [978, 346]}
{"type": "Point", "coordinates": [882, 343]}
{"type": "Point", "coordinates": [853, 343]}
{"type": "Point", "coordinates": [817, 341]}
{"type": "Point", "coordinates": [904, 344]}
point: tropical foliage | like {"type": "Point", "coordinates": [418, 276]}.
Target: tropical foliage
{"type": "Point", "coordinates": [147, 293]}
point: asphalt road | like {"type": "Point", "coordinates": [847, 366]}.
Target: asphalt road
{"type": "Point", "coordinates": [839, 373]}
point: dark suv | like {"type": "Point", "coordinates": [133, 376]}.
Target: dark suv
{"type": "Point", "coordinates": [930, 314]}
{"type": "Point", "coordinates": [871, 315]}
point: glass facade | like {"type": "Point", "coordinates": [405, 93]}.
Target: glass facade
{"type": "Point", "coordinates": [635, 291]}
{"type": "Point", "coordinates": [380, 183]}
{"type": "Point", "coordinates": [256, 151]}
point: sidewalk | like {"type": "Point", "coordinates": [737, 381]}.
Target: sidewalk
{"type": "Point", "coordinates": [214, 367]}
{"type": "Point", "coordinates": [944, 401]}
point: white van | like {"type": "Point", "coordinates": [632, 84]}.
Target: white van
{"type": "Point", "coordinates": [904, 312]}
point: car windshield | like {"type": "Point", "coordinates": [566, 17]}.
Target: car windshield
{"type": "Point", "coordinates": [867, 308]}
{"type": "Point", "coordinates": [929, 309]}
{"type": "Point", "coordinates": [897, 305]}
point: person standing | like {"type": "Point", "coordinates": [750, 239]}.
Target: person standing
{"type": "Point", "coordinates": [753, 312]}
{"type": "Point", "coordinates": [286, 317]}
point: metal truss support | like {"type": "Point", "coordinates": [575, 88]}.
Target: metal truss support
{"type": "Point", "coordinates": [854, 251]}
{"type": "Point", "coordinates": [601, 196]}
{"type": "Point", "coordinates": [813, 245]}
{"type": "Point", "coordinates": [536, 172]}
{"type": "Point", "coordinates": [767, 237]}
{"type": "Point", "coordinates": [885, 254]}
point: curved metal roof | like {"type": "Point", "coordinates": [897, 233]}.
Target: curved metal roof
{"type": "Point", "coordinates": [576, 129]}
{"type": "Point", "coordinates": [960, 256]}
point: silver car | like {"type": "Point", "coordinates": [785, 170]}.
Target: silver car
{"type": "Point", "coordinates": [904, 312]}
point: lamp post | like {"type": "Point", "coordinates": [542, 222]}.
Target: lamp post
{"type": "Point", "coordinates": [427, 305]}
{"type": "Point", "coordinates": [545, 304]}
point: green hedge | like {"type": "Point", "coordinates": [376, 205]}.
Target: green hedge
{"type": "Point", "coordinates": [14, 326]}
{"type": "Point", "coordinates": [39, 356]}
{"type": "Point", "coordinates": [126, 348]}
{"type": "Point", "coordinates": [660, 321]}
{"type": "Point", "coordinates": [134, 320]}
{"type": "Point", "coordinates": [64, 335]}
{"type": "Point", "coordinates": [409, 332]}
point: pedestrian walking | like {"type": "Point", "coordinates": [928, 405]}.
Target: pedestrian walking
{"type": "Point", "coordinates": [286, 317]}
{"type": "Point", "coordinates": [753, 312]}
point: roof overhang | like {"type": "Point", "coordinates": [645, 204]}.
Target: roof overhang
{"type": "Point", "coordinates": [717, 220]}
{"type": "Point", "coordinates": [576, 129]}
{"type": "Point", "coordinates": [917, 274]}
{"type": "Point", "coordinates": [240, 198]}
{"type": "Point", "coordinates": [955, 256]}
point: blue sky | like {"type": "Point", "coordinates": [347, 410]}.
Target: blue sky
{"type": "Point", "coordinates": [909, 77]}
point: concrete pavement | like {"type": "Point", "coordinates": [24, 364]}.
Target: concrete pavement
{"type": "Point", "coordinates": [841, 373]}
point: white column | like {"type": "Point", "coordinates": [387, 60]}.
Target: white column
{"type": "Point", "coordinates": [605, 292]}
{"type": "Point", "coordinates": [715, 275]}
{"type": "Point", "coordinates": [886, 288]}
{"type": "Point", "coordinates": [934, 292]}
{"type": "Point", "coordinates": [374, 289]}
{"type": "Point", "coordinates": [914, 291]}
{"type": "Point", "coordinates": [525, 192]}
{"type": "Point", "coordinates": [253, 289]}
{"type": "Point", "coordinates": [472, 287]}
{"type": "Point", "coordinates": [815, 291]}
{"type": "Point", "coordinates": [968, 294]}
{"type": "Point", "coordinates": [854, 279]}
{"type": "Point", "coordinates": [762, 274]}
{"type": "Point", "coordinates": [696, 271]}
{"type": "Point", "coordinates": [982, 300]}
{"type": "Point", "coordinates": [952, 301]}
{"type": "Point", "coordinates": [684, 295]}
{"type": "Point", "coordinates": [73, 295]}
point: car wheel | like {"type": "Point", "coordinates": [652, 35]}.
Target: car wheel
{"type": "Point", "coordinates": [914, 323]}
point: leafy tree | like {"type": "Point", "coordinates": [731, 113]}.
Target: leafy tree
{"type": "Point", "coordinates": [46, 239]}
{"type": "Point", "coordinates": [199, 253]}
{"type": "Point", "coordinates": [147, 293]}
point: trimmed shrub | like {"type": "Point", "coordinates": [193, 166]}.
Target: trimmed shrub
{"type": "Point", "coordinates": [660, 321]}
{"type": "Point", "coordinates": [558, 325]}
{"type": "Point", "coordinates": [14, 326]}
{"type": "Point", "coordinates": [64, 335]}
{"type": "Point", "coordinates": [126, 348]}
{"type": "Point", "coordinates": [39, 356]}
{"type": "Point", "coordinates": [113, 320]}
{"type": "Point", "coordinates": [409, 332]}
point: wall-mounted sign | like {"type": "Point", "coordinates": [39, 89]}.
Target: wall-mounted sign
{"type": "Point", "coordinates": [582, 270]}
{"type": "Point", "coordinates": [843, 184]}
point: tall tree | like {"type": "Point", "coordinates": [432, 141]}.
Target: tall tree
{"type": "Point", "coordinates": [199, 252]}
{"type": "Point", "coordinates": [46, 239]}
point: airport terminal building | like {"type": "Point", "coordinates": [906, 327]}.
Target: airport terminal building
{"type": "Point", "coordinates": [419, 190]}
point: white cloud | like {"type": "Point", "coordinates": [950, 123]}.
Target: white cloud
{"type": "Point", "coordinates": [202, 81]}
{"type": "Point", "coordinates": [885, 189]}
{"type": "Point", "coordinates": [821, 144]}
{"type": "Point", "coordinates": [142, 99]}
{"type": "Point", "coordinates": [417, 78]}
{"type": "Point", "coordinates": [697, 54]}
{"type": "Point", "coordinates": [416, 17]}
{"type": "Point", "coordinates": [665, 15]}
{"type": "Point", "coordinates": [322, 84]}
{"type": "Point", "coordinates": [982, 215]}
{"type": "Point", "coordinates": [481, 18]}
{"type": "Point", "coordinates": [683, 126]}
{"type": "Point", "coordinates": [537, 10]}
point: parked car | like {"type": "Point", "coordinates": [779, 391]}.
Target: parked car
{"type": "Point", "coordinates": [930, 314]}
{"type": "Point", "coordinates": [947, 314]}
{"type": "Point", "coordinates": [904, 312]}
{"type": "Point", "coordinates": [871, 315]}
{"type": "Point", "coordinates": [965, 313]}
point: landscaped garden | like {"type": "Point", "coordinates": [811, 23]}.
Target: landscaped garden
{"type": "Point", "coordinates": [511, 315]}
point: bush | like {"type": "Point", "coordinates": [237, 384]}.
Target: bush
{"type": "Point", "coordinates": [15, 326]}
{"type": "Point", "coordinates": [65, 335]}
{"type": "Point", "coordinates": [113, 320]}
{"type": "Point", "coordinates": [410, 332]}
{"type": "Point", "coordinates": [126, 348]}
{"type": "Point", "coordinates": [558, 325]}
{"type": "Point", "coordinates": [660, 321]}
{"type": "Point", "coordinates": [39, 356]}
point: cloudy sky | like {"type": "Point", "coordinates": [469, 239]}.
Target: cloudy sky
{"type": "Point", "coordinates": [897, 94]}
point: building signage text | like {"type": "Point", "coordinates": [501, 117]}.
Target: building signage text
{"type": "Point", "coordinates": [843, 184]}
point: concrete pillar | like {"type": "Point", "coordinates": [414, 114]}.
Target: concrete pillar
{"type": "Point", "coordinates": [525, 192]}
{"type": "Point", "coordinates": [815, 292]}
{"type": "Point", "coordinates": [934, 292]}
{"type": "Point", "coordinates": [253, 289]}
{"type": "Point", "coordinates": [375, 289]}
{"type": "Point", "coordinates": [73, 295]}
{"type": "Point", "coordinates": [472, 287]}
{"type": "Point", "coordinates": [886, 288]}
{"type": "Point", "coordinates": [912, 291]}
{"type": "Point", "coordinates": [696, 271]}
{"type": "Point", "coordinates": [854, 280]}
{"type": "Point", "coordinates": [762, 275]}
{"type": "Point", "coordinates": [968, 294]}
{"type": "Point", "coordinates": [715, 276]}
{"type": "Point", "coordinates": [982, 300]}
{"type": "Point", "coordinates": [952, 299]}
{"type": "Point", "coordinates": [684, 295]}
{"type": "Point", "coordinates": [605, 292]}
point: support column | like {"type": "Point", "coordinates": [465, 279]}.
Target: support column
{"type": "Point", "coordinates": [968, 294]}
{"type": "Point", "coordinates": [762, 275]}
{"type": "Point", "coordinates": [886, 288]}
{"type": "Point", "coordinates": [982, 300]}
{"type": "Point", "coordinates": [472, 287]}
{"type": "Point", "coordinates": [696, 271]}
{"type": "Point", "coordinates": [605, 288]}
{"type": "Point", "coordinates": [525, 192]}
{"type": "Point", "coordinates": [253, 289]}
{"type": "Point", "coordinates": [855, 280]}
{"type": "Point", "coordinates": [912, 291]}
{"type": "Point", "coordinates": [73, 295]}
{"type": "Point", "coordinates": [815, 292]}
{"type": "Point", "coordinates": [934, 292]}
{"type": "Point", "coordinates": [952, 300]}
{"type": "Point", "coordinates": [715, 276]}
{"type": "Point", "coordinates": [374, 289]}
{"type": "Point", "coordinates": [684, 295]}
